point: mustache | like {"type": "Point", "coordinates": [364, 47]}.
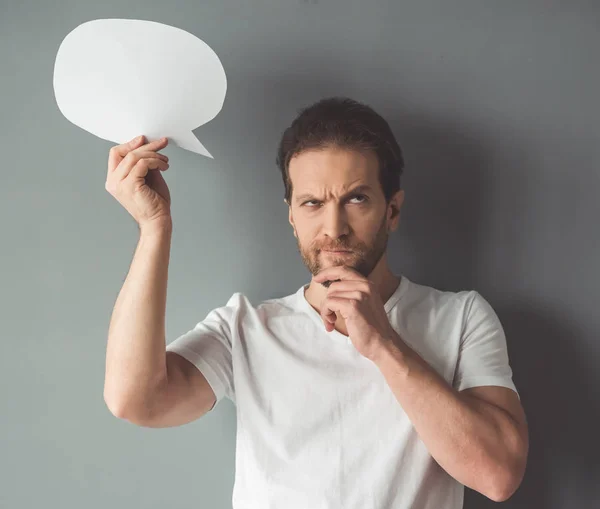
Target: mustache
{"type": "Point", "coordinates": [336, 248]}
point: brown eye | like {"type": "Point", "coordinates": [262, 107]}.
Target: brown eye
{"type": "Point", "coordinates": [361, 196]}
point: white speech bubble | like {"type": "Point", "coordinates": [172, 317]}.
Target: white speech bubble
{"type": "Point", "coordinates": [119, 78]}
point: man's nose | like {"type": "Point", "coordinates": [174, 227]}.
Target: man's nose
{"type": "Point", "coordinates": [335, 222]}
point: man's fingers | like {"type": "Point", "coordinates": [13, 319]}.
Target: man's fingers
{"type": "Point", "coordinates": [141, 168]}
{"type": "Point", "coordinates": [148, 150]}
{"type": "Point", "coordinates": [156, 144]}
{"type": "Point", "coordinates": [132, 159]}
{"type": "Point", "coordinates": [139, 153]}
{"type": "Point", "coordinates": [118, 152]}
{"type": "Point", "coordinates": [153, 146]}
{"type": "Point", "coordinates": [125, 148]}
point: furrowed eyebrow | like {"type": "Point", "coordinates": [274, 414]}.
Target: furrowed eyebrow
{"type": "Point", "coordinates": [359, 189]}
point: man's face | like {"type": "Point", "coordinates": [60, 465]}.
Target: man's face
{"type": "Point", "coordinates": [337, 204]}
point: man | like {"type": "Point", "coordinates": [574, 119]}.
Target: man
{"type": "Point", "coordinates": [362, 389]}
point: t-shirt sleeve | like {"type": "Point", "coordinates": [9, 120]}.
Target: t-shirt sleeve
{"type": "Point", "coordinates": [483, 354]}
{"type": "Point", "coordinates": [208, 346]}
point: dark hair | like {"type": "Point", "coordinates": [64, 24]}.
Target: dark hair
{"type": "Point", "coordinates": [345, 123]}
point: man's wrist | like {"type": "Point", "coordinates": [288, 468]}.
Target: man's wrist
{"type": "Point", "coordinates": [392, 352]}
{"type": "Point", "coordinates": [157, 227]}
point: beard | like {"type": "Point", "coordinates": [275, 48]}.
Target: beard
{"type": "Point", "coordinates": [363, 258]}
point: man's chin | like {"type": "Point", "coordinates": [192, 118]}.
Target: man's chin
{"type": "Point", "coordinates": [338, 263]}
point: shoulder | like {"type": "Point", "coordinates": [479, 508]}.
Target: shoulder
{"type": "Point", "coordinates": [428, 299]}
{"type": "Point", "coordinates": [462, 310]}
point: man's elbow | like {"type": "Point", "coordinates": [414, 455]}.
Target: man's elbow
{"type": "Point", "coordinates": [505, 483]}
{"type": "Point", "coordinates": [502, 492]}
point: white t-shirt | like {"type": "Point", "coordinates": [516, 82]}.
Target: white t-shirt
{"type": "Point", "coordinates": [317, 425]}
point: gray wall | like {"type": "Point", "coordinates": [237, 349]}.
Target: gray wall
{"type": "Point", "coordinates": [496, 106]}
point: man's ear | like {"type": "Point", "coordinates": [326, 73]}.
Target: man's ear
{"type": "Point", "coordinates": [290, 217]}
{"type": "Point", "coordinates": [396, 204]}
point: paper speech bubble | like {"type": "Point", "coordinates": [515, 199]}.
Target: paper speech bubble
{"type": "Point", "coordinates": [119, 78]}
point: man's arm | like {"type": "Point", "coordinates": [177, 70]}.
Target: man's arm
{"type": "Point", "coordinates": [479, 436]}
{"type": "Point", "coordinates": [135, 353]}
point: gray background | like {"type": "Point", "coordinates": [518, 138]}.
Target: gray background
{"type": "Point", "coordinates": [496, 107]}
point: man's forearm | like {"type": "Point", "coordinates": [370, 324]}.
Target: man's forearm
{"type": "Point", "coordinates": [469, 439]}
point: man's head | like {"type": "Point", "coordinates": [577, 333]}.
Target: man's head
{"type": "Point", "coordinates": [341, 168]}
